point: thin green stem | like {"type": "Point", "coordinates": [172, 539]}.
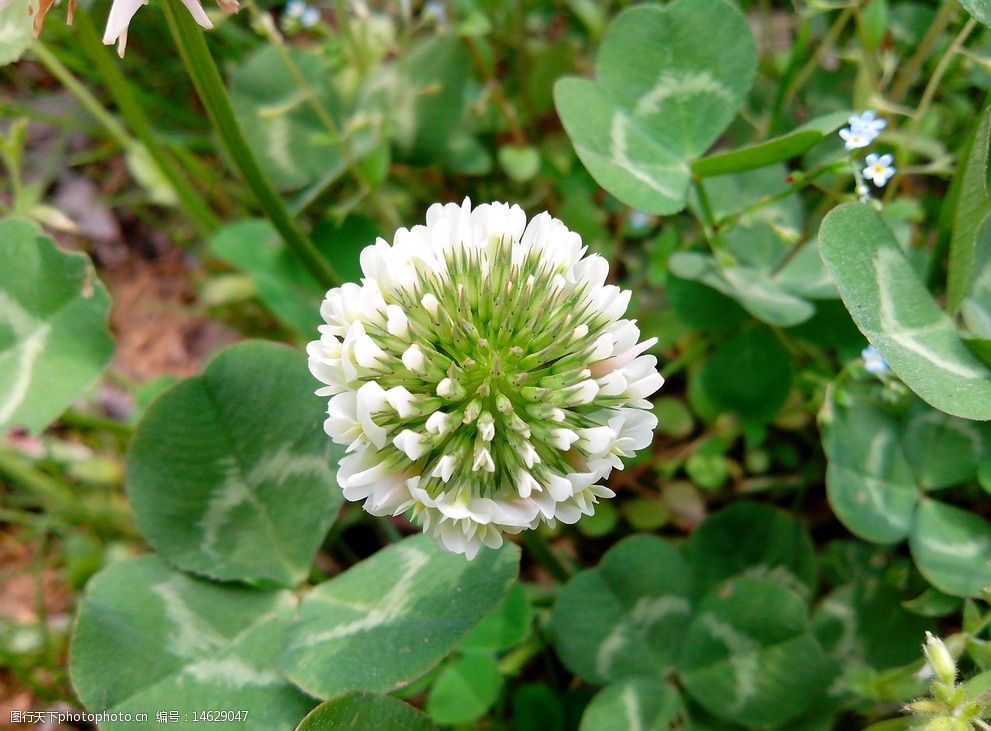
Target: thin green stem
{"type": "Point", "coordinates": [17, 469]}
{"type": "Point", "coordinates": [12, 109]}
{"type": "Point", "coordinates": [909, 71]}
{"type": "Point", "coordinates": [343, 18]}
{"type": "Point", "coordinates": [38, 576]}
{"type": "Point", "coordinates": [512, 120]}
{"type": "Point", "coordinates": [388, 213]}
{"type": "Point", "coordinates": [11, 151]}
{"type": "Point", "coordinates": [709, 225]}
{"type": "Point", "coordinates": [114, 129]}
{"type": "Point", "coordinates": [799, 48]}
{"type": "Point", "coordinates": [58, 498]}
{"type": "Point", "coordinates": [801, 78]}
{"type": "Point", "coordinates": [803, 180]}
{"type": "Point", "coordinates": [941, 68]}
{"type": "Point", "coordinates": [88, 422]}
{"type": "Point", "coordinates": [904, 156]}
{"type": "Point", "coordinates": [867, 55]}
{"type": "Point", "coordinates": [541, 551]}
{"type": "Point", "coordinates": [130, 109]}
{"type": "Point", "coordinates": [20, 517]}
{"type": "Point", "coordinates": [210, 87]}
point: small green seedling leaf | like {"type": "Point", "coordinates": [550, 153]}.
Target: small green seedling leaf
{"type": "Point", "coordinates": [519, 163]}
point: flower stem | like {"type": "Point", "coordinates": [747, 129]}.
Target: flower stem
{"type": "Point", "coordinates": [114, 129]}
{"type": "Point", "coordinates": [210, 88]}
{"type": "Point", "coordinates": [710, 227]}
{"type": "Point", "coordinates": [812, 65]}
{"type": "Point", "coordinates": [88, 422]}
{"type": "Point", "coordinates": [904, 155]}
{"type": "Point", "coordinates": [388, 213]}
{"type": "Point", "coordinates": [130, 109]}
{"type": "Point", "coordinates": [62, 500]}
{"type": "Point", "coordinates": [508, 113]}
{"type": "Point", "coordinates": [537, 546]}
{"type": "Point", "coordinates": [868, 56]}
{"type": "Point", "coordinates": [909, 71]}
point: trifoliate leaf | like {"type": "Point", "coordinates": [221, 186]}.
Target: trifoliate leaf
{"type": "Point", "coordinates": [150, 638]}
{"type": "Point", "coordinates": [670, 79]}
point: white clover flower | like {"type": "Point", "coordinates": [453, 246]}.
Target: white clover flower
{"type": "Point", "coordinates": [482, 376]}
{"type": "Point", "coordinates": [863, 130]}
{"type": "Point", "coordinates": [121, 12]}
{"type": "Point", "coordinates": [874, 362]}
{"type": "Point", "coordinates": [879, 169]}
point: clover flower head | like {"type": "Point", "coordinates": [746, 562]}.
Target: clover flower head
{"type": "Point", "coordinates": [879, 169]}
{"type": "Point", "coordinates": [482, 376]}
{"type": "Point", "coordinates": [863, 130]}
{"type": "Point", "coordinates": [874, 362]}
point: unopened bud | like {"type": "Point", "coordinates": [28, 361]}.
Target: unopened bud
{"type": "Point", "coordinates": [940, 659]}
{"type": "Point", "coordinates": [924, 707]}
{"type": "Point", "coordinates": [472, 411]}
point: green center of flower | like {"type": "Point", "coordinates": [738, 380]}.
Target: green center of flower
{"type": "Point", "coordinates": [499, 369]}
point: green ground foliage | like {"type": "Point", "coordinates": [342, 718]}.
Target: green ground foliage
{"type": "Point", "coordinates": [816, 497]}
